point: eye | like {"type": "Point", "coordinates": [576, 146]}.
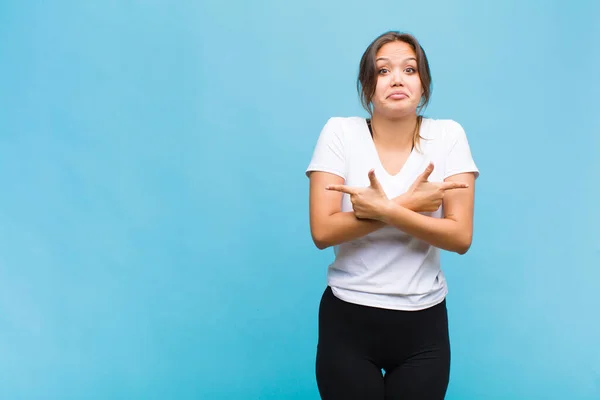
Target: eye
{"type": "Point", "coordinates": [383, 70]}
{"type": "Point", "coordinates": [410, 70]}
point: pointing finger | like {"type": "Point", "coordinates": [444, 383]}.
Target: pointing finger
{"type": "Point", "coordinates": [454, 185]}
{"type": "Point", "coordinates": [341, 188]}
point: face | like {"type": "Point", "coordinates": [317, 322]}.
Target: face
{"type": "Point", "coordinates": [398, 91]}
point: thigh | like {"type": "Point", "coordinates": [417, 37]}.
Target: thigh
{"type": "Point", "coordinates": [423, 373]}
{"type": "Point", "coordinates": [342, 375]}
{"type": "Point", "coordinates": [344, 364]}
{"type": "Point", "coordinates": [424, 376]}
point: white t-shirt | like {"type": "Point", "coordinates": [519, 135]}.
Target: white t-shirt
{"type": "Point", "coordinates": [388, 268]}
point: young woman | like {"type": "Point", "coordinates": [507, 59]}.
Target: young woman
{"type": "Point", "coordinates": [388, 192]}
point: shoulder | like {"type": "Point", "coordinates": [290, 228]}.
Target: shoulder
{"type": "Point", "coordinates": [444, 130]}
{"type": "Point", "coordinates": [344, 127]}
{"type": "Point", "coordinates": [346, 123]}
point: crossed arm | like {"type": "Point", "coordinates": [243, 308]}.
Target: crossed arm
{"type": "Point", "coordinates": [373, 210]}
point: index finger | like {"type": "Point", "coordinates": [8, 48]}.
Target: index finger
{"type": "Point", "coordinates": [341, 188]}
{"type": "Point", "coordinates": [453, 185]}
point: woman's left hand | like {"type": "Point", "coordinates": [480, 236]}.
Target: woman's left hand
{"type": "Point", "coordinates": [368, 203]}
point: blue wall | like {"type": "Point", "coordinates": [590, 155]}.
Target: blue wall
{"type": "Point", "coordinates": [154, 239]}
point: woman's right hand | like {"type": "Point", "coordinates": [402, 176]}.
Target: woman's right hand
{"type": "Point", "coordinates": [425, 196]}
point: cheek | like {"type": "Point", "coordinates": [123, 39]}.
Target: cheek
{"type": "Point", "coordinates": [379, 94]}
{"type": "Point", "coordinates": [380, 87]}
{"type": "Point", "coordinates": [417, 92]}
{"type": "Point", "coordinates": [415, 84]}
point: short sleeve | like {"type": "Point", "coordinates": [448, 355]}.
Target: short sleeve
{"type": "Point", "coordinates": [459, 159]}
{"type": "Point", "coordinates": [328, 155]}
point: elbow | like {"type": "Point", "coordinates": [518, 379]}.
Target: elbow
{"type": "Point", "coordinates": [320, 241]}
{"type": "Point", "coordinates": [462, 250]}
{"type": "Point", "coordinates": [321, 245]}
{"type": "Point", "coordinates": [463, 245]}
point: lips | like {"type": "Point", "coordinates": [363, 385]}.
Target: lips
{"type": "Point", "coordinates": [398, 95]}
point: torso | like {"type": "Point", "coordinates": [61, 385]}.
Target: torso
{"type": "Point", "coordinates": [392, 160]}
{"type": "Point", "coordinates": [388, 268]}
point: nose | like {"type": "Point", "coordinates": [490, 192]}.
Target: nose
{"type": "Point", "coordinates": [397, 78]}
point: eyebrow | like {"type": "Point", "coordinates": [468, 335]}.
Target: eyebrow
{"type": "Point", "coordinates": [387, 59]}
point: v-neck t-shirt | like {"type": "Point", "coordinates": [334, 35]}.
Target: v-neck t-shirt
{"type": "Point", "coordinates": [389, 268]}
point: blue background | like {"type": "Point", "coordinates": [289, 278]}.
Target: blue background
{"type": "Point", "coordinates": [154, 239]}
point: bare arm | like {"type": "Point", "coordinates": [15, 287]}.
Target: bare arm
{"type": "Point", "coordinates": [454, 232]}
{"type": "Point", "coordinates": [330, 226]}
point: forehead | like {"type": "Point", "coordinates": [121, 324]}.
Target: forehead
{"type": "Point", "coordinates": [396, 50]}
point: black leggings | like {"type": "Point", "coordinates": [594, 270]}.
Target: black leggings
{"type": "Point", "coordinates": [357, 342]}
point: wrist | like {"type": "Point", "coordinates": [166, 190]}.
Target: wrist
{"type": "Point", "coordinates": [403, 200]}
{"type": "Point", "coordinates": [387, 208]}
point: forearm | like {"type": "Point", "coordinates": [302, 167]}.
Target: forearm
{"type": "Point", "coordinates": [443, 233]}
{"type": "Point", "coordinates": [344, 226]}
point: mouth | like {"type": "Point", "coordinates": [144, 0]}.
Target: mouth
{"type": "Point", "coordinates": [398, 96]}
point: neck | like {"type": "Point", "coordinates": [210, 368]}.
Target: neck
{"type": "Point", "coordinates": [394, 133]}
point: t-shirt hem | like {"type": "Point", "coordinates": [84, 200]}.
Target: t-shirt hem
{"type": "Point", "coordinates": [322, 168]}
{"type": "Point", "coordinates": [400, 306]}
{"type": "Point", "coordinates": [462, 171]}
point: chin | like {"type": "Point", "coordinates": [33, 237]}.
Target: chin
{"type": "Point", "coordinates": [397, 112]}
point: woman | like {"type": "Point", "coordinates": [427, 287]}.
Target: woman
{"type": "Point", "coordinates": [388, 192]}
